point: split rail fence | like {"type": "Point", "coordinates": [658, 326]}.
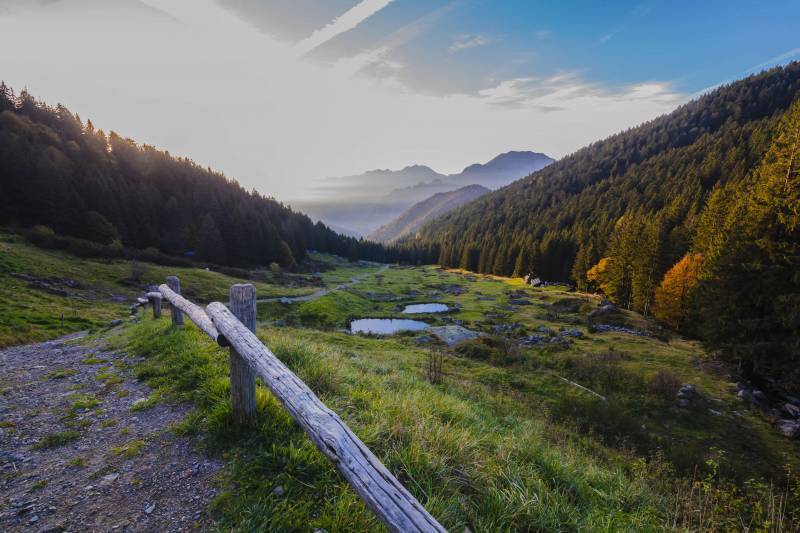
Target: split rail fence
{"type": "Point", "coordinates": [234, 326]}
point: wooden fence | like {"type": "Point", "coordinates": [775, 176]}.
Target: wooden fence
{"type": "Point", "coordinates": [234, 326]}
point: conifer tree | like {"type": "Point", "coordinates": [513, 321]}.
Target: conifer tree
{"type": "Point", "coordinates": [750, 300]}
{"type": "Point", "coordinates": [673, 296]}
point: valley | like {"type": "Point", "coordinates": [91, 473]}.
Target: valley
{"type": "Point", "coordinates": [563, 412]}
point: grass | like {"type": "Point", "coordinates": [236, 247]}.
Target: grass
{"type": "Point", "coordinates": [130, 449]}
{"type": "Point", "coordinates": [38, 485]}
{"type": "Point", "coordinates": [94, 361]}
{"type": "Point", "coordinates": [77, 462]}
{"type": "Point", "coordinates": [472, 457]}
{"type": "Point", "coordinates": [55, 440]}
{"type": "Point", "coordinates": [83, 402]}
{"type": "Point", "coordinates": [61, 373]}
{"type": "Point", "coordinates": [29, 314]}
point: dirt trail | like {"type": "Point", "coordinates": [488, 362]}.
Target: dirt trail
{"type": "Point", "coordinates": [120, 469]}
{"type": "Point", "coordinates": [322, 292]}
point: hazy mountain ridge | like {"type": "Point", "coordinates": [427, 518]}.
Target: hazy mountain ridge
{"type": "Point", "coordinates": [418, 214]}
{"type": "Point", "coordinates": [362, 203]}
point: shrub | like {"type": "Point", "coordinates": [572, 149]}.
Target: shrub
{"type": "Point", "coordinates": [664, 384]}
{"type": "Point", "coordinates": [138, 271]}
{"type": "Point", "coordinates": [603, 374]}
{"type": "Point", "coordinates": [495, 350]}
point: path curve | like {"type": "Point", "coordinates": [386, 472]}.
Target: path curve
{"type": "Point", "coordinates": [322, 292]}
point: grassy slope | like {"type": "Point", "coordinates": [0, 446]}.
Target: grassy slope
{"type": "Point", "coordinates": [635, 416]}
{"type": "Point", "coordinates": [503, 446]}
{"type": "Point", "coordinates": [28, 315]}
{"type": "Point", "coordinates": [472, 455]}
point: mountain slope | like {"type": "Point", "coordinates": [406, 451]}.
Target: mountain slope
{"type": "Point", "coordinates": [61, 173]}
{"type": "Point", "coordinates": [663, 170]}
{"type": "Point", "coordinates": [418, 214]}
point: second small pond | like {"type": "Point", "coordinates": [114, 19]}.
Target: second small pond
{"type": "Point", "coordinates": [425, 308]}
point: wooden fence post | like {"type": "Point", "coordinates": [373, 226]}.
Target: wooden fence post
{"type": "Point", "coordinates": [155, 299]}
{"type": "Point", "coordinates": [243, 381]}
{"type": "Point", "coordinates": [175, 284]}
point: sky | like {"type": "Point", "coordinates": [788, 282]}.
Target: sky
{"type": "Point", "coordinates": [279, 94]}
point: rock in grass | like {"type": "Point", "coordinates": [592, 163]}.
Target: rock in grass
{"type": "Point", "coordinates": [788, 428]}
{"type": "Point", "coordinates": [452, 335]}
{"type": "Point", "coordinates": [791, 410]}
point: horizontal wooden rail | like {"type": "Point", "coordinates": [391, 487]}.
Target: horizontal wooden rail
{"type": "Point", "coordinates": [194, 312]}
{"type": "Point", "coordinates": [373, 482]}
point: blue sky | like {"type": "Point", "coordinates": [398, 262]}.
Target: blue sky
{"type": "Point", "coordinates": [281, 94]}
{"type": "Point", "coordinates": [466, 45]}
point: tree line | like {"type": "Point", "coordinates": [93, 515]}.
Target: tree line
{"type": "Point", "coordinates": [691, 217]}
{"type": "Point", "coordinates": [60, 172]}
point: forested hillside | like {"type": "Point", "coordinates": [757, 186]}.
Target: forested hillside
{"type": "Point", "coordinates": [60, 172]}
{"type": "Point", "coordinates": [418, 214]}
{"type": "Point", "coordinates": [692, 217]}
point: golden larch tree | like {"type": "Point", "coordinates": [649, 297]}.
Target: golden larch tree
{"type": "Point", "coordinates": [672, 297]}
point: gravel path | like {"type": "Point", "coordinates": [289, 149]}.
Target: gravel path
{"type": "Point", "coordinates": [76, 456]}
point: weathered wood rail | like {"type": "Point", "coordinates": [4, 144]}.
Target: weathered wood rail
{"type": "Point", "coordinates": [395, 506]}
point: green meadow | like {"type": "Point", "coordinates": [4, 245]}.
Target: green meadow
{"type": "Point", "coordinates": [568, 436]}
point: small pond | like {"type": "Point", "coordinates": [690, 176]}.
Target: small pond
{"type": "Point", "coordinates": [425, 308]}
{"type": "Point", "coordinates": [385, 326]}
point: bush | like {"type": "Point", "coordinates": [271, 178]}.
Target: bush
{"type": "Point", "coordinates": [664, 384]}
{"type": "Point", "coordinates": [497, 351]}
{"type": "Point", "coordinates": [603, 374]}
{"type": "Point", "coordinates": [138, 271]}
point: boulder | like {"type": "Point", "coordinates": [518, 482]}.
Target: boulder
{"type": "Point", "coordinates": [791, 410]}
{"type": "Point", "coordinates": [788, 428]}
{"type": "Point", "coordinates": [571, 332]}
{"type": "Point", "coordinates": [452, 335]}
{"type": "Point", "coordinates": [760, 397]}
{"type": "Point", "coordinates": [534, 340]}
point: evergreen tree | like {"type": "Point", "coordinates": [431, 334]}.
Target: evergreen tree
{"type": "Point", "coordinates": [210, 246]}
{"type": "Point", "coordinates": [750, 300]}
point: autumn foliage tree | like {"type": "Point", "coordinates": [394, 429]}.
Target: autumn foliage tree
{"type": "Point", "coordinates": [673, 296]}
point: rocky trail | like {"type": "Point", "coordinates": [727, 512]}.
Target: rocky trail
{"type": "Point", "coordinates": [81, 451]}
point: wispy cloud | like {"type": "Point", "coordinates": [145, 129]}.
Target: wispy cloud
{"type": "Point", "coordinates": [349, 20]}
{"type": "Point", "coordinates": [642, 9]}
{"type": "Point", "coordinates": [562, 91]}
{"type": "Point", "coordinates": [795, 52]}
{"type": "Point", "coordinates": [464, 42]}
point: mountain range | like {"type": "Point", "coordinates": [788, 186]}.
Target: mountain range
{"type": "Point", "coordinates": [362, 203]}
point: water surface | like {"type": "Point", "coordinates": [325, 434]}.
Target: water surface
{"type": "Point", "coordinates": [386, 326]}
{"type": "Point", "coordinates": [425, 308]}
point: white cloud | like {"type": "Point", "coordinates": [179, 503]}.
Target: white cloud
{"type": "Point", "coordinates": [207, 85]}
{"type": "Point", "coordinates": [349, 20]}
{"type": "Point", "coordinates": [464, 42]}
